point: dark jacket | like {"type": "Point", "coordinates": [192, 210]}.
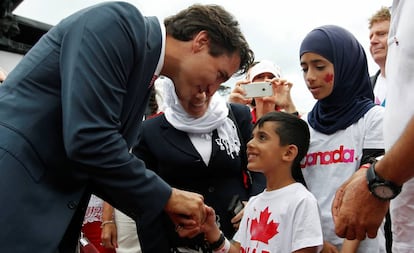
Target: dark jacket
{"type": "Point", "coordinates": [374, 79]}
{"type": "Point", "coordinates": [171, 154]}
{"type": "Point", "coordinates": [69, 114]}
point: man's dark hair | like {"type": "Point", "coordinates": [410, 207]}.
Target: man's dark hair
{"type": "Point", "coordinates": [291, 130]}
{"type": "Point", "coordinates": [222, 28]}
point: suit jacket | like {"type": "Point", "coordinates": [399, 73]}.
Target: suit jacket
{"type": "Point", "coordinates": [69, 114]}
{"type": "Point", "coordinates": [171, 154]}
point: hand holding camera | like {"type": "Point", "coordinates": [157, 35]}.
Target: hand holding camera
{"type": "Point", "coordinates": [258, 89]}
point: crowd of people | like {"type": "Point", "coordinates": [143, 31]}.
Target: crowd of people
{"type": "Point", "coordinates": [137, 152]}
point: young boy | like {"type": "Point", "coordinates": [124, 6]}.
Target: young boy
{"type": "Point", "coordinates": [285, 217]}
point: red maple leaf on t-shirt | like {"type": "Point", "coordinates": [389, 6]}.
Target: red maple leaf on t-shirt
{"type": "Point", "coordinates": [263, 230]}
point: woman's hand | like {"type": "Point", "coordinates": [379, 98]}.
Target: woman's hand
{"type": "Point", "coordinates": [109, 236]}
{"type": "Point", "coordinates": [238, 93]}
{"type": "Point", "coordinates": [281, 96]}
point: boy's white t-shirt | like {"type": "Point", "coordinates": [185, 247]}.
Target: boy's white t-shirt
{"type": "Point", "coordinates": [334, 158]}
{"type": "Point", "coordinates": [280, 221]}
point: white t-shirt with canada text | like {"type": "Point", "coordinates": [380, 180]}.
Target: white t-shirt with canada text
{"type": "Point", "coordinates": [334, 158]}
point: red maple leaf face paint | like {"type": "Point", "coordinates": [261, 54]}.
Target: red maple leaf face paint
{"type": "Point", "coordinates": [328, 78]}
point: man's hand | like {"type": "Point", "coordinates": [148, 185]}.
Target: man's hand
{"type": "Point", "coordinates": [356, 212]}
{"type": "Point", "coordinates": [186, 209]}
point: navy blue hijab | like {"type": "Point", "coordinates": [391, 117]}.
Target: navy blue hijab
{"type": "Point", "coordinates": [352, 94]}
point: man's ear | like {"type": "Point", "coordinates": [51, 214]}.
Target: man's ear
{"type": "Point", "coordinates": [290, 153]}
{"type": "Point", "coordinates": [200, 41]}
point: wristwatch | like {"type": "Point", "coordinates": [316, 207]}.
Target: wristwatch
{"type": "Point", "coordinates": [379, 187]}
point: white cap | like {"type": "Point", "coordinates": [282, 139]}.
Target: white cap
{"type": "Point", "coordinates": [264, 66]}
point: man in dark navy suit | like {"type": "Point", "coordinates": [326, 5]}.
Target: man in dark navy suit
{"type": "Point", "coordinates": [71, 109]}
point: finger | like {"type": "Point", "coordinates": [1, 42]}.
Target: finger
{"type": "Point", "coordinates": [238, 98]}
{"type": "Point", "coordinates": [203, 214]}
{"type": "Point", "coordinates": [188, 221]}
{"type": "Point", "coordinates": [278, 83]}
{"type": "Point", "coordinates": [350, 233]}
{"type": "Point", "coordinates": [337, 202]}
{"type": "Point", "coordinates": [183, 220]}
{"type": "Point", "coordinates": [198, 211]}
{"type": "Point", "coordinates": [199, 214]}
{"type": "Point", "coordinates": [105, 242]}
{"type": "Point", "coordinates": [106, 245]}
{"type": "Point", "coordinates": [357, 230]}
{"type": "Point", "coordinates": [239, 90]}
{"type": "Point", "coordinates": [236, 225]}
{"type": "Point", "coordinates": [240, 82]}
{"type": "Point", "coordinates": [371, 233]}
{"type": "Point", "coordinates": [187, 232]}
{"type": "Point", "coordinates": [269, 99]}
{"type": "Point", "coordinates": [114, 241]}
{"type": "Point", "coordinates": [340, 225]}
{"type": "Point", "coordinates": [236, 218]}
{"type": "Point", "coordinates": [274, 80]}
{"type": "Point", "coordinates": [235, 221]}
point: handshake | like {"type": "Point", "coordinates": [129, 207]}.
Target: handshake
{"type": "Point", "coordinates": [191, 216]}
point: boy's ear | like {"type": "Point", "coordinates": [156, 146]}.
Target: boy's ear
{"type": "Point", "coordinates": [290, 153]}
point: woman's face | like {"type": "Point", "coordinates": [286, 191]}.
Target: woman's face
{"type": "Point", "coordinates": [200, 79]}
{"type": "Point", "coordinates": [318, 73]}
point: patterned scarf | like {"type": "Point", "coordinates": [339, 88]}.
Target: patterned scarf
{"type": "Point", "coordinates": [214, 118]}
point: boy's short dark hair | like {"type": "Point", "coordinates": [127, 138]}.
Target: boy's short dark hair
{"type": "Point", "coordinates": [222, 28]}
{"type": "Point", "coordinates": [291, 130]}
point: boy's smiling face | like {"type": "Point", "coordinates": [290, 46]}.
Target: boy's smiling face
{"type": "Point", "coordinates": [264, 152]}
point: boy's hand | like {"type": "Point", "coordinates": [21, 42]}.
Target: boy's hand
{"type": "Point", "coordinates": [237, 218]}
{"type": "Point", "coordinates": [210, 228]}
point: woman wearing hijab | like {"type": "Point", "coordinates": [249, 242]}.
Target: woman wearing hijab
{"type": "Point", "coordinates": [199, 144]}
{"type": "Point", "coordinates": [345, 124]}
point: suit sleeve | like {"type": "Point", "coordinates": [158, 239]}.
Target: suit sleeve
{"type": "Point", "coordinates": [97, 57]}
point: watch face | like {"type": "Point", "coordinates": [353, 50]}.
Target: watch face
{"type": "Point", "coordinates": [384, 191]}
